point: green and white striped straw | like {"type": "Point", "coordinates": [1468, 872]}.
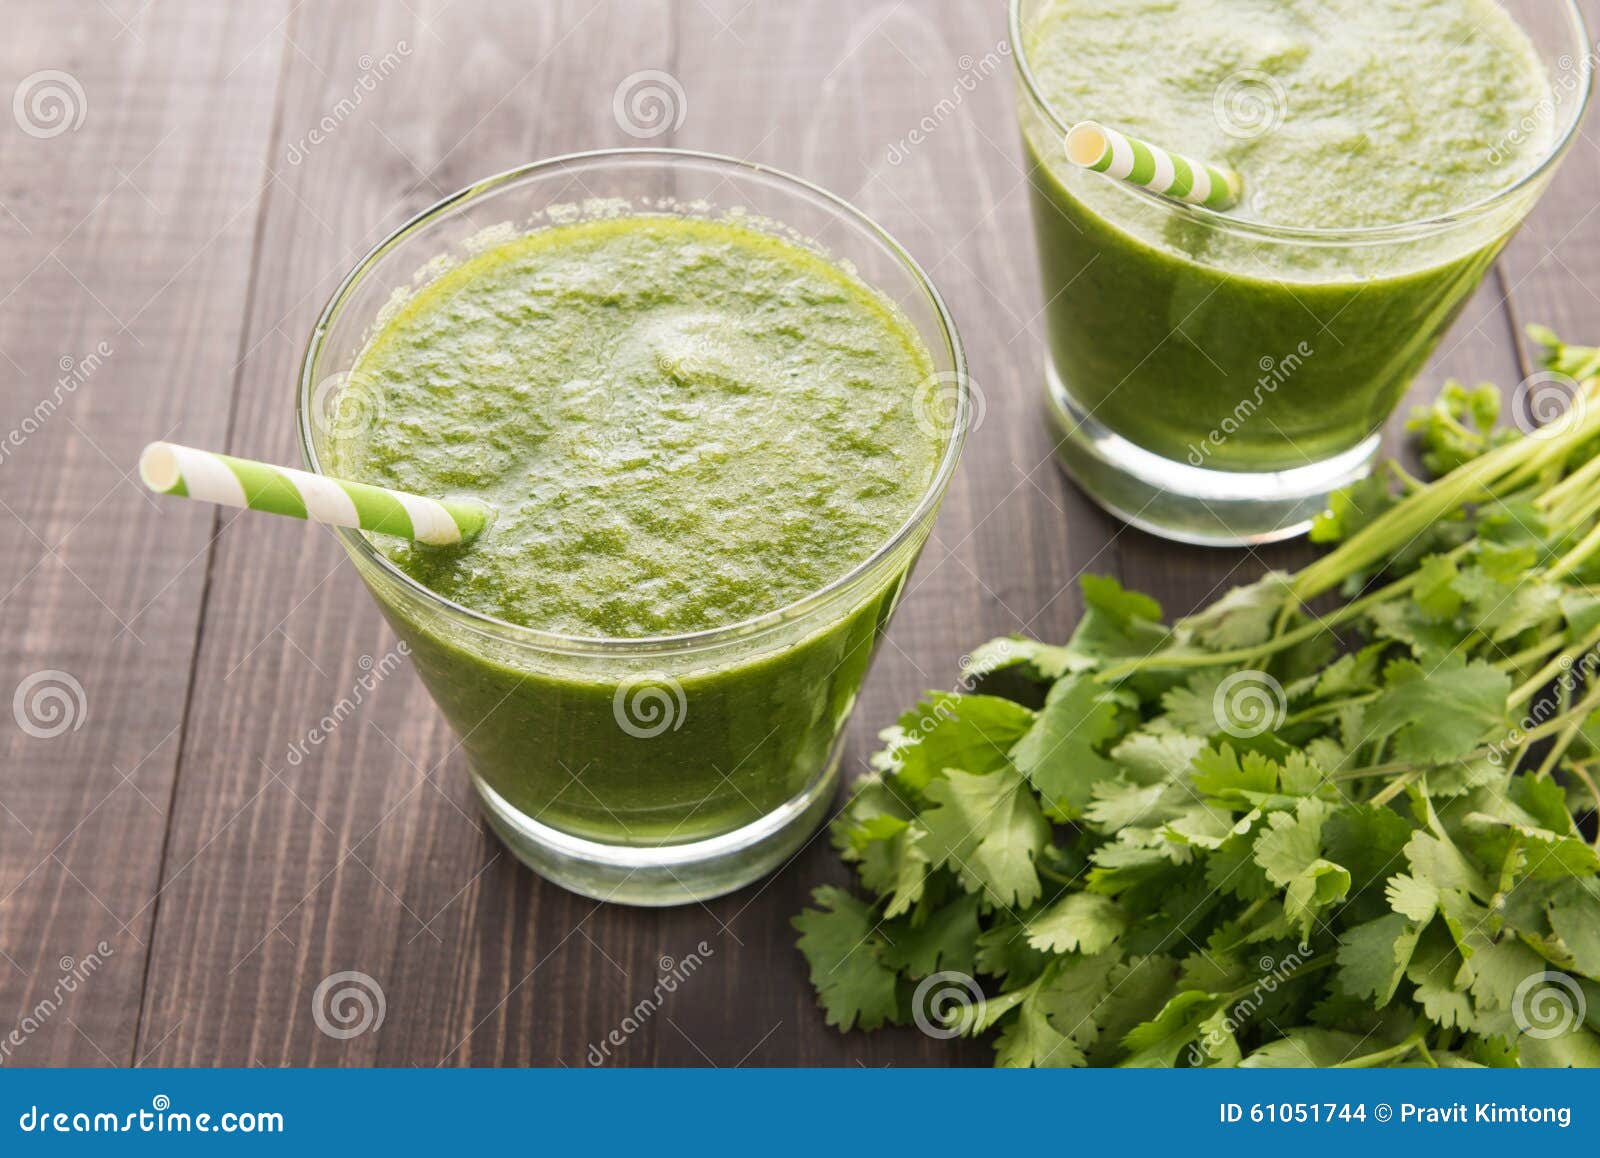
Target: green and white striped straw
{"type": "Point", "coordinates": [1091, 145]}
{"type": "Point", "coordinates": [240, 482]}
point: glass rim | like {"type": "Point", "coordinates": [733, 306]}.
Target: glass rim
{"type": "Point", "coordinates": [1393, 231]}
{"type": "Point", "coordinates": [359, 544]}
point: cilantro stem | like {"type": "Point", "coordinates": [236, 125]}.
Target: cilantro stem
{"type": "Point", "coordinates": [1574, 558]}
{"type": "Point", "coordinates": [1559, 723]}
{"type": "Point", "coordinates": [1318, 626]}
{"type": "Point", "coordinates": [1329, 708]}
{"type": "Point", "coordinates": [1563, 662]}
{"type": "Point", "coordinates": [1559, 748]}
{"type": "Point", "coordinates": [1045, 870]}
{"type": "Point", "coordinates": [1381, 769]}
{"type": "Point", "coordinates": [1394, 788]}
{"type": "Point", "coordinates": [1579, 482]}
{"type": "Point", "coordinates": [1382, 1056]}
{"type": "Point", "coordinates": [1405, 478]}
{"type": "Point", "coordinates": [1582, 773]}
{"type": "Point", "coordinates": [1519, 660]}
{"type": "Point", "coordinates": [1299, 970]}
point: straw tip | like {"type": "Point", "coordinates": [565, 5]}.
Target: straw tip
{"type": "Point", "coordinates": [484, 516]}
{"type": "Point", "coordinates": [1086, 143]}
{"type": "Point", "coordinates": [158, 467]}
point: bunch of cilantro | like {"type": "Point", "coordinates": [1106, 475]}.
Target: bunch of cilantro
{"type": "Point", "coordinates": [1343, 817]}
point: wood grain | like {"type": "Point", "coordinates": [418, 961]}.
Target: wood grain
{"type": "Point", "coordinates": [124, 268]}
{"type": "Point", "coordinates": [216, 206]}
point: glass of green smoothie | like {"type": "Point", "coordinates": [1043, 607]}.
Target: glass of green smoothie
{"type": "Point", "coordinates": [715, 409]}
{"type": "Point", "coordinates": [1213, 375]}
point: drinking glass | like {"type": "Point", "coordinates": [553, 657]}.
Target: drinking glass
{"type": "Point", "coordinates": [649, 771]}
{"type": "Point", "coordinates": [1212, 379]}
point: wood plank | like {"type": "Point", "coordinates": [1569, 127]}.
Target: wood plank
{"type": "Point", "coordinates": [362, 856]}
{"type": "Point", "coordinates": [364, 853]}
{"type": "Point", "coordinates": [1549, 268]}
{"type": "Point", "coordinates": [124, 270]}
{"type": "Point", "coordinates": [846, 93]}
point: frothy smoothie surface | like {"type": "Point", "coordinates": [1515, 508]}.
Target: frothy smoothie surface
{"type": "Point", "coordinates": [1340, 113]}
{"type": "Point", "coordinates": [682, 424]}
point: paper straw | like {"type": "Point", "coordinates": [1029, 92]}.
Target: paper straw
{"type": "Point", "coordinates": [240, 482]}
{"type": "Point", "coordinates": [1091, 145]}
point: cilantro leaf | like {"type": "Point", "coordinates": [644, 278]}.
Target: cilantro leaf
{"type": "Point", "coordinates": [1441, 714]}
{"type": "Point", "coordinates": [1060, 753]}
{"type": "Point", "coordinates": [1373, 957]}
{"type": "Point", "coordinates": [989, 830]}
{"type": "Point", "coordinates": [854, 984]}
{"type": "Point", "coordinates": [1079, 922]}
{"type": "Point", "coordinates": [947, 730]}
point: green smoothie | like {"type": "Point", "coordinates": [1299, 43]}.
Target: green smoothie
{"type": "Point", "coordinates": [1236, 349]}
{"type": "Point", "coordinates": [682, 424]}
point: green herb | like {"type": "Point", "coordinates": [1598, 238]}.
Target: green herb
{"type": "Point", "coordinates": [1274, 833]}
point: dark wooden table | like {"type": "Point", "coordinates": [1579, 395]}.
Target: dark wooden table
{"type": "Point", "coordinates": [164, 257]}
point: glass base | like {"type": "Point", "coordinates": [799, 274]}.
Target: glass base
{"type": "Point", "coordinates": [1209, 508]}
{"type": "Point", "coordinates": [654, 876]}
